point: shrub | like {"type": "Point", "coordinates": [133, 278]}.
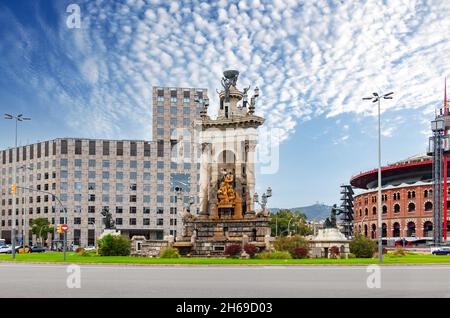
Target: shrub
{"type": "Point", "coordinates": [362, 247]}
{"type": "Point", "coordinates": [273, 255]}
{"type": "Point", "coordinates": [351, 255]}
{"type": "Point", "coordinates": [85, 253]}
{"type": "Point", "coordinates": [251, 249]}
{"type": "Point", "coordinates": [79, 250]}
{"type": "Point", "coordinates": [289, 244]}
{"type": "Point", "coordinates": [114, 245]}
{"type": "Point", "coordinates": [169, 252]}
{"type": "Point", "coordinates": [300, 252]}
{"type": "Point", "coordinates": [334, 252]}
{"type": "Point", "coordinates": [233, 250]}
{"type": "Point", "coordinates": [398, 252]}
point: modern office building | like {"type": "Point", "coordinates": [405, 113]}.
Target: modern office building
{"type": "Point", "coordinates": [135, 180]}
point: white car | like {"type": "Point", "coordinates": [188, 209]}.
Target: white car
{"type": "Point", "coordinates": [5, 249]}
{"type": "Point", "coordinates": [89, 248]}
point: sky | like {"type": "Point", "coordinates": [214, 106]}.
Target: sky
{"type": "Point", "coordinates": [313, 61]}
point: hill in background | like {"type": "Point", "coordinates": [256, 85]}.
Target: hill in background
{"type": "Point", "coordinates": [315, 212]}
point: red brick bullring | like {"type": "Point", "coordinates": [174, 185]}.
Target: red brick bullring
{"type": "Point", "coordinates": [407, 200]}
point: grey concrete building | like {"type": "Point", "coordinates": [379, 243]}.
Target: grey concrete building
{"type": "Point", "coordinates": [135, 180]}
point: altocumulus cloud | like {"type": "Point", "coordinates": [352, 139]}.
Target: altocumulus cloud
{"type": "Point", "coordinates": [309, 58]}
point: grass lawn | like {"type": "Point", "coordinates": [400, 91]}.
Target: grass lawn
{"type": "Point", "coordinates": [54, 257]}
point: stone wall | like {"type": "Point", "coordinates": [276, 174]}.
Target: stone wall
{"type": "Point", "coordinates": [140, 246]}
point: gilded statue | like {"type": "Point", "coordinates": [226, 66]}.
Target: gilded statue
{"type": "Point", "coordinates": [226, 193]}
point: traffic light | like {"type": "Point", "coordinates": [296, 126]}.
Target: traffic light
{"type": "Point", "coordinates": [59, 229]}
{"type": "Point", "coordinates": [13, 188]}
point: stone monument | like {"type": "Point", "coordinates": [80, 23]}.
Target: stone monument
{"type": "Point", "coordinates": [227, 178]}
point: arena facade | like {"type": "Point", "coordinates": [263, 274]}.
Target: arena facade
{"type": "Point", "coordinates": [407, 200]}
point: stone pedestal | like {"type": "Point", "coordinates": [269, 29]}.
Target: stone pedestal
{"type": "Point", "coordinates": [211, 237]}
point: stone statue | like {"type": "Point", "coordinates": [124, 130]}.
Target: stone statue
{"type": "Point", "coordinates": [229, 79]}
{"type": "Point", "coordinates": [331, 221]}
{"type": "Point", "coordinates": [109, 222]}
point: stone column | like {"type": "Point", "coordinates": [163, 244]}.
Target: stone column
{"type": "Point", "coordinates": [250, 169]}
{"type": "Point", "coordinates": [205, 159]}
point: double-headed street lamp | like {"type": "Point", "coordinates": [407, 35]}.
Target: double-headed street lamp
{"type": "Point", "coordinates": [17, 118]}
{"type": "Point", "coordinates": [376, 98]}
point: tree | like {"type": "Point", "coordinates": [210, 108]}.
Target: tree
{"type": "Point", "coordinates": [41, 227]}
{"type": "Point", "coordinates": [297, 225]}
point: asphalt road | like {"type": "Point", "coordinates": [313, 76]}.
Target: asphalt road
{"type": "Point", "coordinates": [41, 280]}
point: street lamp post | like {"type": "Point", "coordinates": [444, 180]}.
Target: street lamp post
{"type": "Point", "coordinates": [17, 118]}
{"type": "Point", "coordinates": [376, 98]}
{"type": "Point", "coordinates": [24, 215]}
{"type": "Point", "coordinates": [178, 191]}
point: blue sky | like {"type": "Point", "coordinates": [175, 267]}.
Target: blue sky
{"type": "Point", "coordinates": [312, 60]}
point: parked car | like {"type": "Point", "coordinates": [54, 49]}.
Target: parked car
{"type": "Point", "coordinates": [37, 249]}
{"type": "Point", "coordinates": [441, 251]}
{"type": "Point", "coordinates": [5, 249]}
{"type": "Point", "coordinates": [89, 248]}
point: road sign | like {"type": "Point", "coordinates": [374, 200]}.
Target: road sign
{"type": "Point", "coordinates": [64, 227]}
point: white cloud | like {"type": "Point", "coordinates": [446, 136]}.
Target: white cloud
{"type": "Point", "coordinates": [312, 58]}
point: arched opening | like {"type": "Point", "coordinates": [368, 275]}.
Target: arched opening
{"type": "Point", "coordinates": [425, 194]}
{"type": "Point", "coordinates": [254, 232]}
{"type": "Point", "coordinates": [384, 230]}
{"type": "Point", "coordinates": [428, 229]}
{"type": "Point", "coordinates": [360, 212]}
{"type": "Point", "coordinates": [373, 231]}
{"type": "Point", "coordinates": [226, 157]}
{"type": "Point", "coordinates": [411, 229]}
{"type": "Point", "coordinates": [411, 207]}
{"type": "Point", "coordinates": [396, 229]}
{"type": "Point", "coordinates": [365, 230]}
{"type": "Point", "coordinates": [385, 209]}
{"type": "Point", "coordinates": [366, 211]}
{"type": "Point", "coordinates": [397, 208]}
{"type": "Point", "coordinates": [374, 210]}
{"type": "Point", "coordinates": [428, 206]}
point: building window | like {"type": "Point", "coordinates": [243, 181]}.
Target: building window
{"type": "Point", "coordinates": [132, 221]}
{"type": "Point", "coordinates": [92, 147]}
{"type": "Point", "coordinates": [385, 210]}
{"type": "Point", "coordinates": [119, 149]}
{"type": "Point", "coordinates": [411, 207]}
{"type": "Point", "coordinates": [397, 208]}
{"type": "Point", "coordinates": [78, 147]}
{"type": "Point", "coordinates": [146, 210]}
{"type": "Point", "coordinates": [146, 149]}
{"type": "Point", "coordinates": [132, 209]}
{"type": "Point", "coordinates": [133, 148]}
{"type": "Point", "coordinates": [159, 210]}
{"type": "Point", "coordinates": [133, 164]}
{"type": "Point", "coordinates": [91, 197]}
{"type": "Point", "coordinates": [132, 198]}
{"type": "Point", "coordinates": [428, 206]}
{"type": "Point", "coordinates": [91, 209]}
{"type": "Point", "coordinates": [160, 148]}
{"type": "Point", "coordinates": [119, 221]}
{"type": "Point", "coordinates": [105, 163]}
{"type": "Point", "coordinates": [63, 148]}
{"type": "Point", "coordinates": [119, 209]}
{"type": "Point", "coordinates": [146, 221]}
{"type": "Point", "coordinates": [159, 221]}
